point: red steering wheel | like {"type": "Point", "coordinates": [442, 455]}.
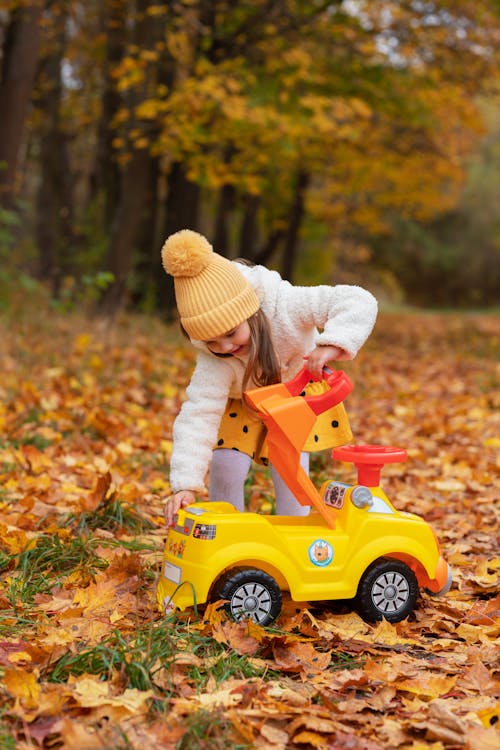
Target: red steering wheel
{"type": "Point", "coordinates": [369, 460]}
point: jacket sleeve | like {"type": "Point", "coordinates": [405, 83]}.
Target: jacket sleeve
{"type": "Point", "coordinates": [344, 314]}
{"type": "Point", "coordinates": [196, 426]}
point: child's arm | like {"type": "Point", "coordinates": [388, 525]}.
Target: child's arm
{"type": "Point", "coordinates": [346, 314]}
{"type": "Point", "coordinates": [197, 424]}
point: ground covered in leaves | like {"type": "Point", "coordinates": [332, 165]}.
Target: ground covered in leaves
{"type": "Point", "coordinates": [86, 661]}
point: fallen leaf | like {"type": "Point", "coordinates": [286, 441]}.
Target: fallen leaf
{"type": "Point", "coordinates": [24, 686]}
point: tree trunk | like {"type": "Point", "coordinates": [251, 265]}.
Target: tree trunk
{"type": "Point", "coordinates": [248, 232]}
{"type": "Point", "coordinates": [182, 212]}
{"type": "Point", "coordinates": [224, 208]}
{"type": "Point", "coordinates": [265, 253]}
{"type": "Point", "coordinates": [226, 203]}
{"type": "Point", "coordinates": [20, 56]}
{"type": "Point", "coordinates": [54, 224]}
{"type": "Point", "coordinates": [183, 201]}
{"type": "Point", "coordinates": [294, 222]}
{"type": "Point", "coordinates": [128, 216]}
{"type": "Point", "coordinates": [106, 176]}
{"type": "Point", "coordinates": [135, 178]}
{"type": "Point", "coordinates": [148, 264]}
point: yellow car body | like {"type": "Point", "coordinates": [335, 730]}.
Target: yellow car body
{"type": "Point", "coordinates": [305, 557]}
{"type": "Point", "coordinates": [353, 545]}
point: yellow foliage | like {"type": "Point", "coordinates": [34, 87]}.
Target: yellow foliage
{"type": "Point", "coordinates": [148, 109]}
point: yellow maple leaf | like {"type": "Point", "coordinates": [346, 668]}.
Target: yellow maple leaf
{"type": "Point", "coordinates": [387, 633]}
{"type": "Point", "coordinates": [13, 540]}
{"type": "Point", "coordinates": [91, 692]}
{"type": "Point", "coordinates": [97, 596]}
{"type": "Point", "coordinates": [433, 686]}
{"type": "Point", "coordinates": [490, 717]}
{"type": "Point", "coordinates": [20, 656]}
{"type": "Point", "coordinates": [36, 460]}
{"type": "Point", "coordinates": [24, 686]}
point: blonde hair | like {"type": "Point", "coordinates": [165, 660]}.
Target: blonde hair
{"type": "Point", "coordinates": [263, 366]}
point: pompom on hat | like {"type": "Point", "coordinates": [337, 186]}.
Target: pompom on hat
{"type": "Point", "coordinates": [212, 296]}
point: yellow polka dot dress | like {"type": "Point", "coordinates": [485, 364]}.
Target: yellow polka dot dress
{"type": "Point", "coordinates": [241, 430]}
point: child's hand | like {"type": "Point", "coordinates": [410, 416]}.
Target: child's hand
{"type": "Point", "coordinates": [319, 358]}
{"type": "Point", "coordinates": [179, 500]}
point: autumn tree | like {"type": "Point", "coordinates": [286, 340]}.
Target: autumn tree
{"type": "Point", "coordinates": [286, 131]}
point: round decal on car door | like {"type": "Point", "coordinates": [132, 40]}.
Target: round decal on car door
{"type": "Point", "coordinates": [320, 553]}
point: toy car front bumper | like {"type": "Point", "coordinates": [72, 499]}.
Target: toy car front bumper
{"type": "Point", "coordinates": [171, 594]}
{"type": "Point", "coordinates": [443, 580]}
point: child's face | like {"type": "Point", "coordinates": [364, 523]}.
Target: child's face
{"type": "Point", "coordinates": [235, 342]}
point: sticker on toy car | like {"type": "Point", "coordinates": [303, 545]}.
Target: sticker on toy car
{"type": "Point", "coordinates": [334, 494]}
{"type": "Point", "coordinates": [176, 549]}
{"type": "Point", "coordinates": [172, 572]}
{"type": "Point", "coordinates": [320, 553]}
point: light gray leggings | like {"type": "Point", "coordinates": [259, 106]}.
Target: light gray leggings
{"type": "Point", "coordinates": [228, 472]}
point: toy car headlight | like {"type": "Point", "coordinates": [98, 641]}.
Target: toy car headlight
{"type": "Point", "coordinates": [361, 497]}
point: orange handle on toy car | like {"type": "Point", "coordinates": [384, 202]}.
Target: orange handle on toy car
{"type": "Point", "coordinates": [339, 384]}
{"type": "Point", "coordinates": [289, 418]}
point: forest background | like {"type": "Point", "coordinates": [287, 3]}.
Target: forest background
{"type": "Point", "coordinates": [346, 141]}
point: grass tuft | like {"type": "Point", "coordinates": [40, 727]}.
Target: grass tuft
{"type": "Point", "coordinates": [138, 657]}
{"type": "Point", "coordinates": [146, 659]}
{"type": "Point", "coordinates": [47, 563]}
{"type": "Point", "coordinates": [209, 730]}
{"type": "Point", "coordinates": [112, 515]}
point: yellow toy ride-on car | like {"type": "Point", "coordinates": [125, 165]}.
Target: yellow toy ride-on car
{"type": "Point", "coordinates": [353, 545]}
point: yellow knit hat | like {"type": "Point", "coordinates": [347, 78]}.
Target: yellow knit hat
{"type": "Point", "coordinates": [212, 296]}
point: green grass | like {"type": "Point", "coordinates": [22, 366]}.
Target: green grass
{"type": "Point", "coordinates": [15, 625]}
{"type": "Point", "coordinates": [139, 657]}
{"type": "Point", "coordinates": [38, 441]}
{"type": "Point", "coordinates": [7, 741]}
{"type": "Point", "coordinates": [229, 665]}
{"type": "Point", "coordinates": [144, 659]}
{"type": "Point", "coordinates": [6, 561]}
{"type": "Point", "coordinates": [46, 564]}
{"type": "Point", "coordinates": [112, 515]}
{"type": "Point", "coordinates": [209, 730]}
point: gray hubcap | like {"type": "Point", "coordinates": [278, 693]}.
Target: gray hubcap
{"type": "Point", "coordinates": [390, 592]}
{"type": "Point", "coordinates": [251, 600]}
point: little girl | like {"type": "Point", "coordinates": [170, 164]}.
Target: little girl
{"type": "Point", "coordinates": [251, 328]}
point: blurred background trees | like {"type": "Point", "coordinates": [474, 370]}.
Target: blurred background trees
{"type": "Point", "coordinates": [343, 141]}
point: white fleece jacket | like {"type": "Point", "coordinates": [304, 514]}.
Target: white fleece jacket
{"type": "Point", "coordinates": [345, 313]}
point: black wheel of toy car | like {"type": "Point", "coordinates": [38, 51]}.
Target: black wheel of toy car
{"type": "Point", "coordinates": [388, 589]}
{"type": "Point", "coordinates": [251, 593]}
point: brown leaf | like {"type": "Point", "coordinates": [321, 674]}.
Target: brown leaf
{"type": "Point", "coordinates": [478, 679]}
{"type": "Point", "coordinates": [300, 657]}
{"type": "Point", "coordinates": [235, 635]}
{"type": "Point", "coordinates": [91, 500]}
